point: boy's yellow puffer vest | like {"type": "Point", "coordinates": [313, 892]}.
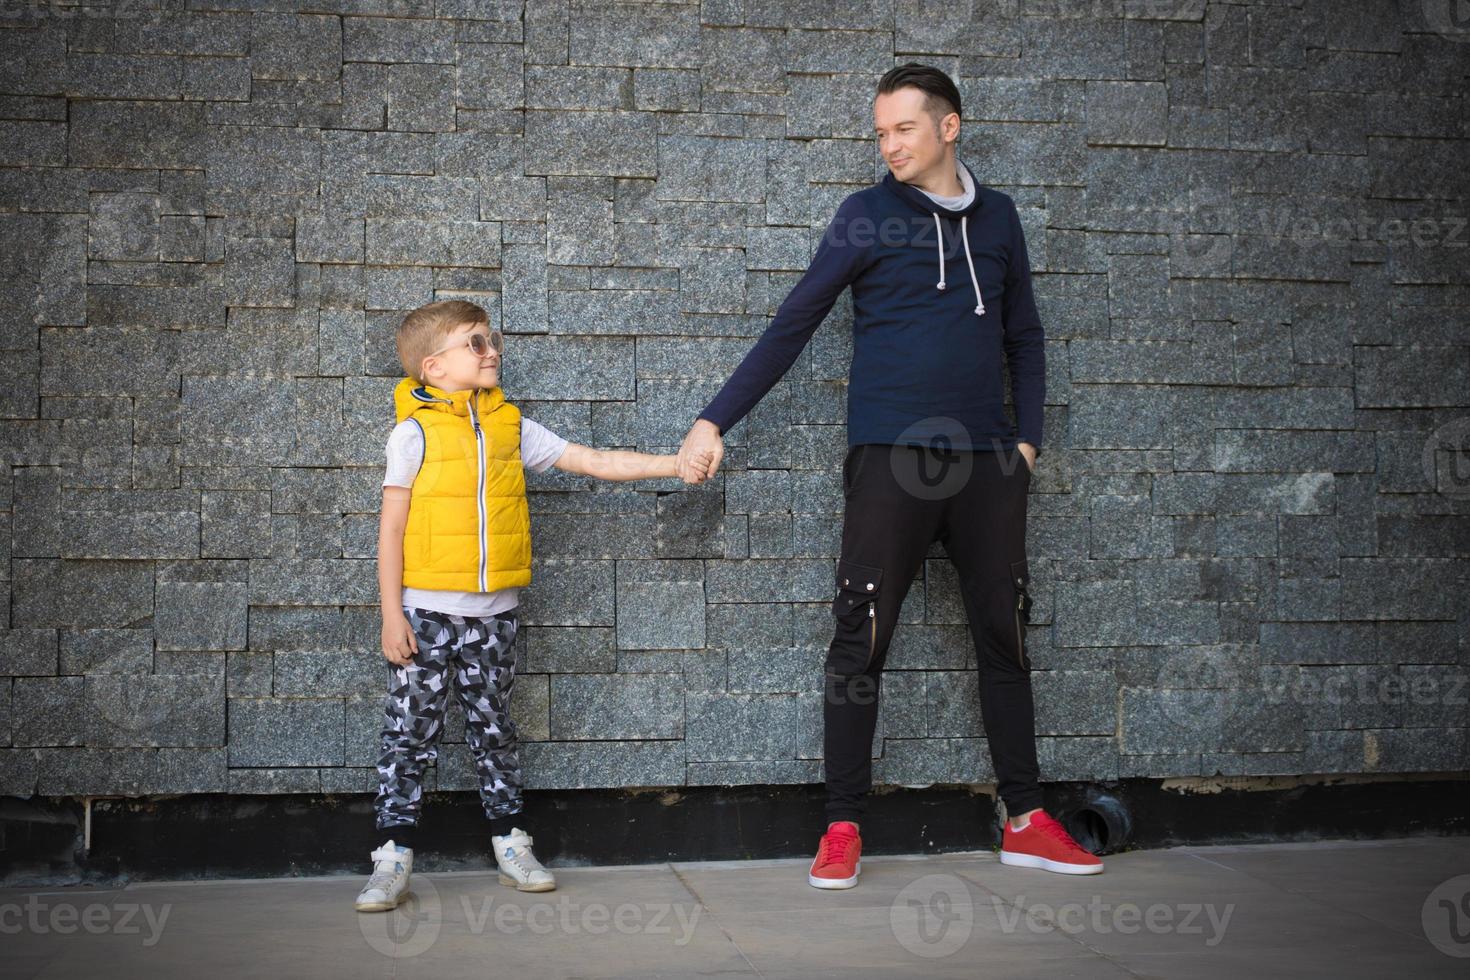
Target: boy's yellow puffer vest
{"type": "Point", "coordinates": [469, 527]}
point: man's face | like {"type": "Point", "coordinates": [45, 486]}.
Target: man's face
{"type": "Point", "coordinates": [912, 142]}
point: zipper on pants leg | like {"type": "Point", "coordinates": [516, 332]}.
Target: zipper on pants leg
{"type": "Point", "coordinates": [1020, 576]}
{"type": "Point", "coordinates": [1020, 642]}
{"type": "Point", "coordinates": [872, 632]}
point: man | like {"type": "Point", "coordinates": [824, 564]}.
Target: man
{"type": "Point", "coordinates": [941, 291]}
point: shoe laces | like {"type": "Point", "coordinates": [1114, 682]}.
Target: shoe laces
{"type": "Point", "coordinates": [383, 874]}
{"type": "Point", "coordinates": [835, 845]}
{"type": "Point", "coordinates": [1054, 829]}
{"type": "Point", "coordinates": [521, 857]}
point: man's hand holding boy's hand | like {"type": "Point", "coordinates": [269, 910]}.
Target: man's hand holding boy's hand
{"type": "Point", "coordinates": [700, 454]}
{"type": "Point", "coordinates": [399, 641]}
{"type": "Point", "coordinates": [702, 463]}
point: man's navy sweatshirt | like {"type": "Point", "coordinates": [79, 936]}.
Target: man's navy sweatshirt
{"type": "Point", "coordinates": [927, 359]}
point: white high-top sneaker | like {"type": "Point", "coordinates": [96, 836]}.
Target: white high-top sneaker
{"type": "Point", "coordinates": [518, 866]}
{"type": "Point", "coordinates": [388, 886]}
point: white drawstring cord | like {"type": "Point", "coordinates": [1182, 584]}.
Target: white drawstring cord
{"type": "Point", "coordinates": [965, 237]}
{"type": "Point", "coordinates": [939, 231]}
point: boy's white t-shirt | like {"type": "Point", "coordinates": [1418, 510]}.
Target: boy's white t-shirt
{"type": "Point", "coordinates": [540, 447]}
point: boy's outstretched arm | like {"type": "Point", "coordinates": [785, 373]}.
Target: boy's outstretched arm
{"type": "Point", "coordinates": [399, 642]}
{"type": "Point", "coordinates": [616, 464]}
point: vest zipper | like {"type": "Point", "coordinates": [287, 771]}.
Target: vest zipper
{"type": "Point", "coordinates": [479, 486]}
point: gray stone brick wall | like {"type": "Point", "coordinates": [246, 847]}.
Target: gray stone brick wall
{"type": "Point", "coordinates": [1248, 534]}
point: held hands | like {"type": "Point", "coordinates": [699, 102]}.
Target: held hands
{"type": "Point", "coordinates": [700, 453]}
{"type": "Point", "coordinates": [399, 641]}
{"type": "Point", "coordinates": [701, 464]}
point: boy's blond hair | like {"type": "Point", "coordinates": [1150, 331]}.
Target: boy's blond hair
{"type": "Point", "coordinates": [424, 330]}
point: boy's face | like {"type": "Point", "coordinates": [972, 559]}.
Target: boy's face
{"type": "Point", "coordinates": [455, 367]}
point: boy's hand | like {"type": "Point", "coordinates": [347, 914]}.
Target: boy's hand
{"type": "Point", "coordinates": [399, 641]}
{"type": "Point", "coordinates": [701, 463]}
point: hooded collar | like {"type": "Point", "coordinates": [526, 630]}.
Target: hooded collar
{"type": "Point", "coordinates": [930, 208]}
{"type": "Point", "coordinates": [926, 205]}
{"type": "Point", "coordinates": [412, 395]}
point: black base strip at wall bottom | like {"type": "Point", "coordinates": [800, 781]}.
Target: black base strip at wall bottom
{"type": "Point", "coordinates": [220, 836]}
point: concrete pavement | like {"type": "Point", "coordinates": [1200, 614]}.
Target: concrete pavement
{"type": "Point", "coordinates": [1322, 909]}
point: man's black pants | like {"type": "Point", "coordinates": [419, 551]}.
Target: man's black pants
{"type": "Point", "coordinates": [899, 499]}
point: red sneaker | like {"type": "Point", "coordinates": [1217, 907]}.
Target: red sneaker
{"type": "Point", "coordinates": [836, 864]}
{"type": "Point", "coordinates": [1044, 843]}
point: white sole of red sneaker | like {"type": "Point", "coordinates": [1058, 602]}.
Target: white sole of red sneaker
{"type": "Point", "coordinates": [1047, 864]}
{"type": "Point", "coordinates": [831, 883]}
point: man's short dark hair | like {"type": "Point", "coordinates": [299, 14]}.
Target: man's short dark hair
{"type": "Point", "coordinates": [941, 96]}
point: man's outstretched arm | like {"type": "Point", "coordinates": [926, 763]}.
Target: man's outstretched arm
{"type": "Point", "coordinates": [841, 257]}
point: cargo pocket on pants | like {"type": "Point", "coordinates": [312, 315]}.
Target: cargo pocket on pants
{"type": "Point", "coordinates": [1021, 608]}
{"type": "Point", "coordinates": [855, 610]}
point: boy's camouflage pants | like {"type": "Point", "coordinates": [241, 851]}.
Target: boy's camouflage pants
{"type": "Point", "coordinates": [474, 656]}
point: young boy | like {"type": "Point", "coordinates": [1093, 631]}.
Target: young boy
{"type": "Point", "coordinates": [454, 549]}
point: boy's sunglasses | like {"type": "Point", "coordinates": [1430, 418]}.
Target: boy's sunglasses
{"type": "Point", "coordinates": [478, 343]}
